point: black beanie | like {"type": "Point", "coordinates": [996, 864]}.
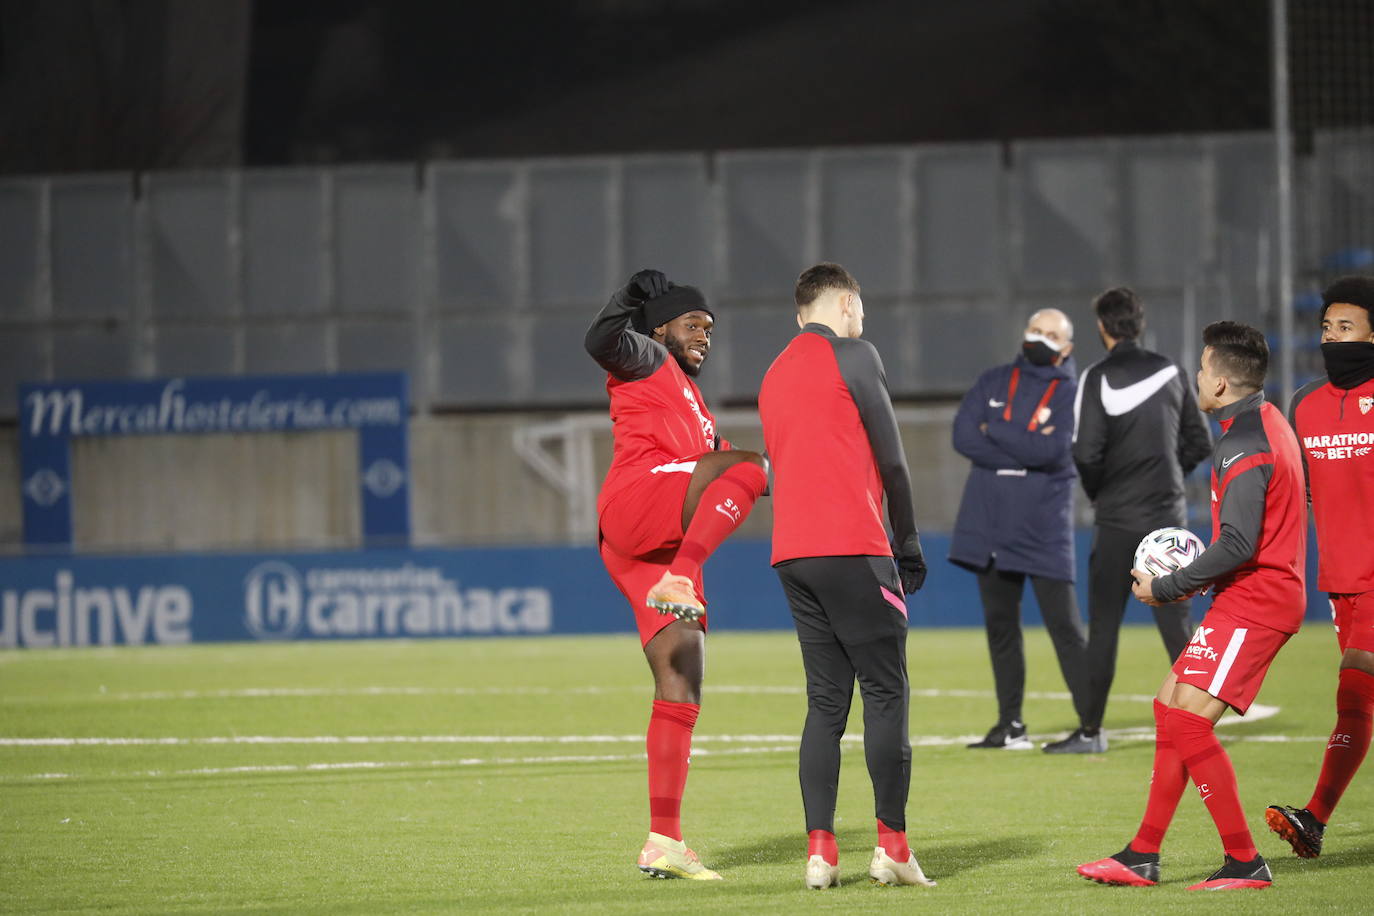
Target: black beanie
{"type": "Point", "coordinates": [676, 301]}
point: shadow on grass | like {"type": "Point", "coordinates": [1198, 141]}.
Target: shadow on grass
{"type": "Point", "coordinates": [937, 859]}
{"type": "Point", "coordinates": [1356, 857]}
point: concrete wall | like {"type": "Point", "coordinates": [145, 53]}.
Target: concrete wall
{"type": "Point", "coordinates": [285, 490]}
{"type": "Point", "coordinates": [477, 278]}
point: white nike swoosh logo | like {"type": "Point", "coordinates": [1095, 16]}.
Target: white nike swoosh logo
{"type": "Point", "coordinates": [721, 510]}
{"type": "Point", "coordinates": [1226, 463]}
{"type": "Point", "coordinates": [992, 403]}
{"type": "Point", "coordinates": [1194, 670]}
{"type": "Point", "coordinates": [1116, 401]}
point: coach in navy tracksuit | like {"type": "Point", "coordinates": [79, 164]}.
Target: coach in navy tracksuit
{"type": "Point", "coordinates": [1015, 518]}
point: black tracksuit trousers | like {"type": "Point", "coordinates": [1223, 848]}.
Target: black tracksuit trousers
{"type": "Point", "coordinates": [1001, 593]}
{"type": "Point", "coordinates": [1109, 585]}
{"type": "Point", "coordinates": [851, 622]}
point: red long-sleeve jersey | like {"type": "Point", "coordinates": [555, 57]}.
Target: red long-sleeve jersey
{"type": "Point", "coordinates": [1257, 558]}
{"type": "Point", "coordinates": [660, 418]}
{"type": "Point", "coordinates": [832, 435]}
{"type": "Point", "coordinates": [1335, 428]}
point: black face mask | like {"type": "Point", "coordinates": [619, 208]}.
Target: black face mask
{"type": "Point", "coordinates": [1349, 362]}
{"type": "Point", "coordinates": [1038, 353]}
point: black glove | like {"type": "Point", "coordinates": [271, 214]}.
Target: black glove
{"type": "Point", "coordinates": [647, 284]}
{"type": "Point", "coordinates": [912, 568]}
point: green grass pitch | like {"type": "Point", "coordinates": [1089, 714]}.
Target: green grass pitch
{"type": "Point", "coordinates": [507, 775]}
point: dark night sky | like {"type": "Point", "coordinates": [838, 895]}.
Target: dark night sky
{"type": "Point", "coordinates": [563, 77]}
{"type": "Point", "coordinates": [139, 84]}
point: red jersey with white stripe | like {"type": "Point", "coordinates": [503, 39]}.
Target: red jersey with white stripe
{"type": "Point", "coordinates": [661, 422]}
{"type": "Point", "coordinates": [1335, 429]}
{"type": "Point", "coordinates": [1257, 558]}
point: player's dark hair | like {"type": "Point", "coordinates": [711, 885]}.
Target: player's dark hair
{"type": "Point", "coordinates": [1121, 312]}
{"type": "Point", "coordinates": [824, 276]}
{"type": "Point", "coordinates": [1240, 353]}
{"type": "Point", "coordinates": [1352, 290]}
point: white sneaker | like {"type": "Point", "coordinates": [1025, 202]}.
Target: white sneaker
{"type": "Point", "coordinates": [820, 874]}
{"type": "Point", "coordinates": [886, 870]}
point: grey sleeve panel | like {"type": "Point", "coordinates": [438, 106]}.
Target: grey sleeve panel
{"type": "Point", "coordinates": [1242, 520]}
{"type": "Point", "coordinates": [617, 347]}
{"type": "Point", "coordinates": [1298, 395]}
{"type": "Point", "coordinates": [861, 370]}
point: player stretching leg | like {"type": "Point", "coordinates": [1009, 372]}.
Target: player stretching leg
{"type": "Point", "coordinates": [1255, 566]}
{"type": "Point", "coordinates": [1331, 417]}
{"type": "Point", "coordinates": [652, 338]}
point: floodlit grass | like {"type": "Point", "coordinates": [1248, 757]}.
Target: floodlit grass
{"type": "Point", "coordinates": [523, 822]}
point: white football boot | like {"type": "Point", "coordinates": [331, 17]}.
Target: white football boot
{"type": "Point", "coordinates": [886, 870]}
{"type": "Point", "coordinates": [820, 874]}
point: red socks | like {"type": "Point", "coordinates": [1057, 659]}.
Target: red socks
{"type": "Point", "coordinates": [1349, 741]}
{"type": "Point", "coordinates": [822, 843]}
{"type": "Point", "coordinates": [893, 842]}
{"type": "Point", "coordinates": [1167, 783]}
{"type": "Point", "coordinates": [1210, 767]}
{"type": "Point", "coordinates": [725, 503]}
{"type": "Point", "coordinates": [668, 743]}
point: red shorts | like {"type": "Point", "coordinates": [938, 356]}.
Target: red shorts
{"type": "Point", "coordinates": [641, 530]}
{"type": "Point", "coordinates": [1228, 658]}
{"type": "Point", "coordinates": [1353, 616]}
{"type": "Point", "coordinates": [634, 576]}
{"type": "Point", "coordinates": [645, 517]}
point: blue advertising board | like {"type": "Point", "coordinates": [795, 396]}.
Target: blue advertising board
{"type": "Point", "coordinates": [178, 598]}
{"type": "Point", "coordinates": [373, 403]}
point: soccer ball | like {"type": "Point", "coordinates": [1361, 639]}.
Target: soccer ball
{"type": "Point", "coordinates": [1165, 550]}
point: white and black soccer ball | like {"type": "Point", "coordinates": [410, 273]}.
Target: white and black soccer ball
{"type": "Point", "coordinates": [1166, 550]}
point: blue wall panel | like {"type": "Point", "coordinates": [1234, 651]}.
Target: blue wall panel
{"type": "Point", "coordinates": [179, 598]}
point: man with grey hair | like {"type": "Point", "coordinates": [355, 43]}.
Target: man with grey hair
{"type": "Point", "coordinates": [1015, 519]}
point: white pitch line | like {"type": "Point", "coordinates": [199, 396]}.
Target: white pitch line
{"type": "Point", "coordinates": [400, 764]}
{"type": "Point", "coordinates": [523, 761]}
{"type": "Point", "coordinates": [379, 691]}
{"type": "Point", "coordinates": [1257, 712]}
{"type": "Point", "coordinates": [333, 739]}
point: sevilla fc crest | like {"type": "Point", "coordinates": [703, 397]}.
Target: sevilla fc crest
{"type": "Point", "coordinates": [1366, 403]}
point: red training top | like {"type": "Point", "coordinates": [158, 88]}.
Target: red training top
{"type": "Point", "coordinates": [660, 420]}
{"type": "Point", "coordinates": [1335, 428]}
{"type": "Point", "coordinates": [832, 437]}
{"type": "Point", "coordinates": [1258, 555]}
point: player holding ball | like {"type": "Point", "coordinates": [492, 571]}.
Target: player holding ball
{"type": "Point", "coordinates": [1255, 568]}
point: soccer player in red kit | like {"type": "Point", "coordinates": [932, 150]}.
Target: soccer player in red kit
{"type": "Point", "coordinates": [836, 450]}
{"type": "Point", "coordinates": [1334, 420]}
{"type": "Point", "coordinates": [1255, 568]}
{"type": "Point", "coordinates": [652, 338]}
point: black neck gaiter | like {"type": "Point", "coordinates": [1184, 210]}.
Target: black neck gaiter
{"type": "Point", "coordinates": [1349, 363]}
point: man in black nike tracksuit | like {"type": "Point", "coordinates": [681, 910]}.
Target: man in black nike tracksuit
{"type": "Point", "coordinates": [1138, 433]}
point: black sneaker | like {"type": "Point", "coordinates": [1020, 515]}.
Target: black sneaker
{"type": "Point", "coordinates": [1127, 867]}
{"type": "Point", "coordinates": [1235, 875]}
{"type": "Point", "coordinates": [1010, 736]}
{"type": "Point", "coordinates": [1299, 827]}
{"type": "Point", "coordinates": [1080, 742]}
